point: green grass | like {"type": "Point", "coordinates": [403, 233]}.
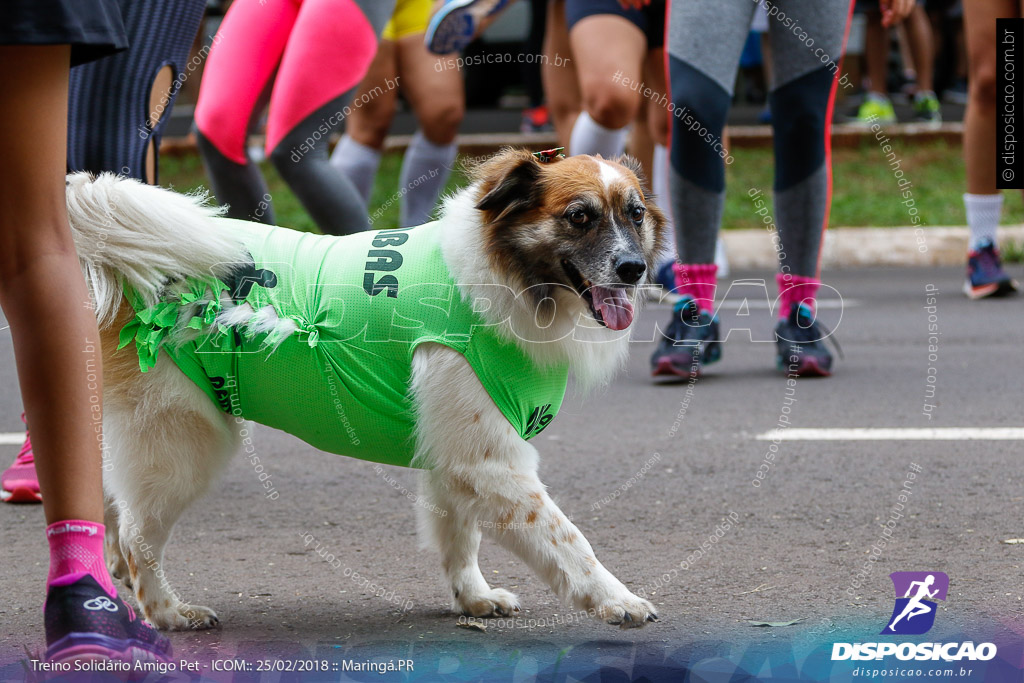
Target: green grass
{"type": "Point", "coordinates": [865, 193]}
{"type": "Point", "coordinates": [185, 173]}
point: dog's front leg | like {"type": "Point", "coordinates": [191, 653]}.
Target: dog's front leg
{"type": "Point", "coordinates": [457, 535]}
{"type": "Point", "coordinates": [485, 476]}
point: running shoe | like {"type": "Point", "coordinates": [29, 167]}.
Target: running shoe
{"type": "Point", "coordinates": [926, 108]}
{"type": "Point", "coordinates": [956, 94]}
{"type": "Point", "coordinates": [18, 483]}
{"type": "Point", "coordinates": [985, 274]}
{"type": "Point", "coordinates": [84, 623]}
{"type": "Point", "coordinates": [536, 120]}
{"type": "Point", "coordinates": [456, 22]}
{"type": "Point", "coordinates": [800, 343]}
{"type": "Point", "coordinates": [690, 342]}
{"type": "Point", "coordinates": [875, 109]}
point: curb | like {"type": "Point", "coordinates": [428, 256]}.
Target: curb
{"type": "Point", "coordinates": [859, 247]}
{"type": "Point", "coordinates": [740, 137]}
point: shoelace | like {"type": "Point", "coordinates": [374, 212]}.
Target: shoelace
{"type": "Point", "coordinates": [687, 316]}
{"type": "Point", "coordinates": [811, 333]}
{"type": "Point", "coordinates": [25, 455]}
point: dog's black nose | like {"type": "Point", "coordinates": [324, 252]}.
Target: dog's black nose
{"type": "Point", "coordinates": [630, 270]}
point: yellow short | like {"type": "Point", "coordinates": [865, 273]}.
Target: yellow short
{"type": "Point", "coordinates": [409, 18]}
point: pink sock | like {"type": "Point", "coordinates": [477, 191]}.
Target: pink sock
{"type": "Point", "coordinates": [796, 289]}
{"type": "Point", "coordinates": [699, 281]}
{"type": "Point", "coordinates": [76, 549]}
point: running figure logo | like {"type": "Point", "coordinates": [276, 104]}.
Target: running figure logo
{"type": "Point", "coordinates": [916, 593]}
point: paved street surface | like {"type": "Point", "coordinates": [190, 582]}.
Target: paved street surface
{"type": "Point", "coordinates": [797, 544]}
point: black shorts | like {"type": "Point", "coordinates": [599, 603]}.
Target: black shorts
{"type": "Point", "coordinates": [650, 20]}
{"type": "Point", "coordinates": [93, 28]}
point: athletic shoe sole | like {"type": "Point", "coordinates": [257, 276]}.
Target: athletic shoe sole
{"type": "Point", "coordinates": [1008, 286]}
{"type": "Point", "coordinates": [98, 647]}
{"type": "Point", "coordinates": [20, 494]}
{"type": "Point", "coordinates": [808, 367]}
{"type": "Point", "coordinates": [453, 26]}
{"type": "Point", "coordinates": [666, 368]}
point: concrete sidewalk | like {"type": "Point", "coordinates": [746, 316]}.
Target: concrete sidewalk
{"type": "Point", "coordinates": [860, 247]}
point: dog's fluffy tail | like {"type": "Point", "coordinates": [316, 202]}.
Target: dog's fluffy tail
{"type": "Point", "coordinates": [130, 233]}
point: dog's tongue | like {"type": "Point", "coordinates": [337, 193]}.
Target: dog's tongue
{"type": "Point", "coordinates": [613, 305]}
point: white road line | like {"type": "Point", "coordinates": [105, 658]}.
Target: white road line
{"type": "Point", "coordinates": [896, 434]}
{"type": "Point", "coordinates": [762, 305]}
{"type": "Point", "coordinates": [12, 438]}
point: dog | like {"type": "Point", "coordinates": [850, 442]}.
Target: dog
{"type": "Point", "coordinates": [544, 252]}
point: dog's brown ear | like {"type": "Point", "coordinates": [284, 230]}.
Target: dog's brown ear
{"type": "Point", "coordinates": [508, 183]}
{"type": "Point", "coordinates": [638, 170]}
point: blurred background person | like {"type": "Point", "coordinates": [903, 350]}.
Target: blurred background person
{"type": "Point", "coordinates": [705, 40]}
{"type": "Point", "coordinates": [917, 27]}
{"type": "Point", "coordinates": [982, 201]}
{"type": "Point", "coordinates": [433, 87]}
{"type": "Point", "coordinates": [308, 57]}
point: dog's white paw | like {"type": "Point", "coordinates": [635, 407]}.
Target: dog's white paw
{"type": "Point", "coordinates": [495, 602]}
{"type": "Point", "coordinates": [181, 617]}
{"type": "Point", "coordinates": [626, 611]}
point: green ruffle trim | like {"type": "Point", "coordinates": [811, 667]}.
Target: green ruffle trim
{"type": "Point", "coordinates": [151, 326]}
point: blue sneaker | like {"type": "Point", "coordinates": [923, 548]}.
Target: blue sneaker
{"type": "Point", "coordinates": [690, 342]}
{"type": "Point", "coordinates": [800, 344]}
{"type": "Point", "coordinates": [985, 274]}
{"type": "Point", "coordinates": [456, 22]}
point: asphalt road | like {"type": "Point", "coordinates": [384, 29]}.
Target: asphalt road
{"type": "Point", "coordinates": [797, 544]}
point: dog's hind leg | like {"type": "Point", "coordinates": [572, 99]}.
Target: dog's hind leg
{"type": "Point", "coordinates": [167, 442]}
{"type": "Point", "coordinates": [116, 563]}
{"type": "Point", "coordinates": [457, 536]}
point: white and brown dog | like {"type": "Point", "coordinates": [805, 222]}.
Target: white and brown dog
{"type": "Point", "coordinates": [551, 228]}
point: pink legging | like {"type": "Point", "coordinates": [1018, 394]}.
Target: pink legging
{"type": "Point", "coordinates": [320, 50]}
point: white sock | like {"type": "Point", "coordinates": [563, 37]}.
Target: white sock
{"type": "Point", "coordinates": [590, 137]}
{"type": "Point", "coordinates": [983, 212]}
{"type": "Point", "coordinates": [425, 170]}
{"type": "Point", "coordinates": [659, 184]}
{"type": "Point", "coordinates": [358, 162]}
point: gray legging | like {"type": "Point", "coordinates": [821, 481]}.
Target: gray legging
{"type": "Point", "coordinates": [301, 158]}
{"type": "Point", "coordinates": [705, 39]}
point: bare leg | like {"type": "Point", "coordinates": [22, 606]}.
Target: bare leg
{"type": "Point", "coordinates": [561, 88]}
{"type": "Point", "coordinates": [368, 124]}
{"type": "Point", "coordinates": [876, 50]}
{"type": "Point", "coordinates": [42, 291]}
{"type": "Point", "coordinates": [980, 119]}
{"type": "Point", "coordinates": [605, 45]}
{"type": "Point", "coordinates": [919, 35]}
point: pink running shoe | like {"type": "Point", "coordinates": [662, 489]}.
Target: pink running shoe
{"type": "Point", "coordinates": [18, 483]}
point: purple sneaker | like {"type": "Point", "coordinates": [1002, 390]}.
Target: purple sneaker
{"type": "Point", "coordinates": [83, 623]}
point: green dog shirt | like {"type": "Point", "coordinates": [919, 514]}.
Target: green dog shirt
{"type": "Point", "coordinates": [339, 377]}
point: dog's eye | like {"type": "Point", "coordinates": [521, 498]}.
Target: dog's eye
{"type": "Point", "coordinates": [638, 214]}
{"type": "Point", "coordinates": [578, 217]}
